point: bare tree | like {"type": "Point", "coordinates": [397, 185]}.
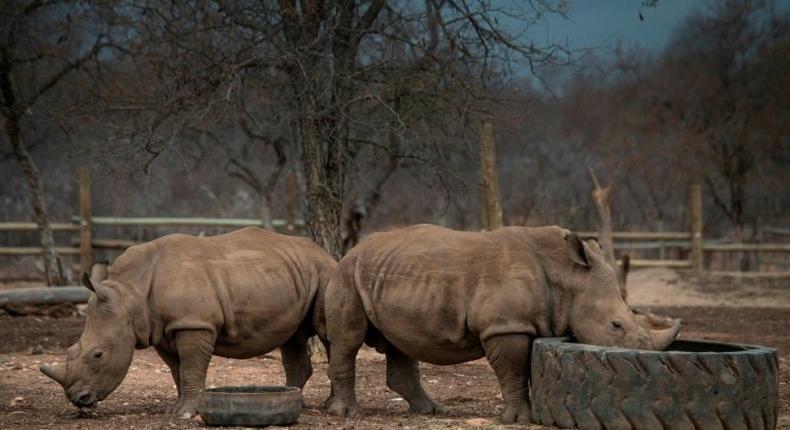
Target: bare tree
{"type": "Point", "coordinates": [34, 63]}
{"type": "Point", "coordinates": [342, 74]}
{"type": "Point", "coordinates": [240, 167]}
{"type": "Point", "coordinates": [601, 197]}
{"type": "Point", "coordinates": [721, 76]}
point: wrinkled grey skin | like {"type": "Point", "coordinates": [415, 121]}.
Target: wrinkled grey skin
{"type": "Point", "coordinates": [238, 295]}
{"type": "Point", "coordinates": [426, 293]}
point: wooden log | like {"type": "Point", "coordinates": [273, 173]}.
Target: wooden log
{"type": "Point", "coordinates": [44, 295]}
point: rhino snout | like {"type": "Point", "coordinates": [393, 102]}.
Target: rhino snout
{"type": "Point", "coordinates": [85, 399]}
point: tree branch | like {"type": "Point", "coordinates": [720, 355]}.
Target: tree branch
{"type": "Point", "coordinates": [63, 72]}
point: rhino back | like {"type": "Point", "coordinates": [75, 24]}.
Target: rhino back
{"type": "Point", "coordinates": [252, 287]}
{"type": "Point", "coordinates": [430, 288]}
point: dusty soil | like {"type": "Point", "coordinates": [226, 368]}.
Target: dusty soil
{"type": "Point", "coordinates": [666, 287]}
{"type": "Point", "coordinates": [28, 400]}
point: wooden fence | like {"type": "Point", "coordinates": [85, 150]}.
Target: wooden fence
{"type": "Point", "coordinates": [85, 244]}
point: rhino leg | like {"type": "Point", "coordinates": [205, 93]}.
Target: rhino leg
{"type": "Point", "coordinates": [346, 331]}
{"type": "Point", "coordinates": [172, 362]}
{"type": "Point", "coordinates": [195, 348]}
{"type": "Point", "coordinates": [509, 356]}
{"type": "Point", "coordinates": [328, 400]}
{"type": "Point", "coordinates": [403, 377]}
{"type": "Point", "coordinates": [296, 360]}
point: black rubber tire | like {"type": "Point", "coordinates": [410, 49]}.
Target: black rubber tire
{"type": "Point", "coordinates": [691, 385]}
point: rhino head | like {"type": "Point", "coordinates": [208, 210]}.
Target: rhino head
{"type": "Point", "coordinates": [598, 313]}
{"type": "Point", "coordinates": [98, 362]}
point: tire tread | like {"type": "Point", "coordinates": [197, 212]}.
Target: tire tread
{"type": "Point", "coordinates": [578, 386]}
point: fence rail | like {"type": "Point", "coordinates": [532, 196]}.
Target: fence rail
{"type": "Point", "coordinates": [183, 222]}
{"type": "Point", "coordinates": [79, 244]}
{"type": "Point", "coordinates": [84, 243]}
{"type": "Point", "coordinates": [741, 247]}
{"type": "Point", "coordinates": [679, 264]}
{"type": "Point", "coordinates": [643, 235]}
{"type": "Point", "coordinates": [36, 250]}
{"type": "Point", "coordinates": [29, 226]}
{"type": "Point", "coordinates": [776, 230]}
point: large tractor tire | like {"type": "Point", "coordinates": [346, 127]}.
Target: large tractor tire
{"type": "Point", "coordinates": [690, 385]}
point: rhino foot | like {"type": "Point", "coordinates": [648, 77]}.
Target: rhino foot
{"type": "Point", "coordinates": [515, 413]}
{"type": "Point", "coordinates": [426, 408]}
{"type": "Point", "coordinates": [341, 408]}
{"type": "Point", "coordinates": [185, 408]}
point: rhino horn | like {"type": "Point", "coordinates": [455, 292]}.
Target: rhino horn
{"type": "Point", "coordinates": [86, 281]}
{"type": "Point", "coordinates": [652, 321]}
{"type": "Point", "coordinates": [662, 338]}
{"type": "Point", "coordinates": [57, 372]}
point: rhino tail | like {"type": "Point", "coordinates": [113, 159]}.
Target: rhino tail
{"type": "Point", "coordinates": [228, 316]}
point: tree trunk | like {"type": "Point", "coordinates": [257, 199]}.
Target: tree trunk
{"type": "Point", "coordinates": [738, 199]}
{"type": "Point", "coordinates": [324, 176]}
{"type": "Point", "coordinates": [266, 213]}
{"type": "Point", "coordinates": [366, 204]}
{"type": "Point", "coordinates": [490, 199]}
{"type": "Point", "coordinates": [52, 265]}
{"type": "Point", "coordinates": [600, 196]}
{"type": "Point", "coordinates": [291, 201]}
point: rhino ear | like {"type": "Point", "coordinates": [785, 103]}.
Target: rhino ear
{"type": "Point", "coordinates": [86, 281]}
{"type": "Point", "coordinates": [577, 250]}
{"type": "Point", "coordinates": [625, 267]}
{"type": "Point", "coordinates": [99, 271]}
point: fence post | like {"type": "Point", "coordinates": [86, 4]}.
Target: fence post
{"type": "Point", "coordinates": [86, 233]}
{"type": "Point", "coordinates": [760, 239]}
{"type": "Point", "coordinates": [490, 199]}
{"type": "Point", "coordinates": [696, 257]}
{"type": "Point", "coordinates": [291, 201]}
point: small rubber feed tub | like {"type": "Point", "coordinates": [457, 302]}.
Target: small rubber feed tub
{"type": "Point", "coordinates": [251, 406]}
{"type": "Point", "coordinates": [690, 385]}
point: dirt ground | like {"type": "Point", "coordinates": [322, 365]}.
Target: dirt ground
{"type": "Point", "coordinates": [754, 312]}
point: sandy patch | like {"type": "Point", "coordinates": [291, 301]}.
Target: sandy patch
{"type": "Point", "coordinates": [667, 287]}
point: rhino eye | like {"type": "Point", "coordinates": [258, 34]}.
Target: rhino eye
{"type": "Point", "coordinates": [98, 354]}
{"type": "Point", "coordinates": [617, 325]}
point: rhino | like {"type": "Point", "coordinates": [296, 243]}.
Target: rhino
{"type": "Point", "coordinates": [431, 294]}
{"type": "Point", "coordinates": [238, 295]}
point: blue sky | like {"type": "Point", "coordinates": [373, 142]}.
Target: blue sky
{"type": "Point", "coordinates": [593, 23]}
{"type": "Point", "coordinates": [601, 23]}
